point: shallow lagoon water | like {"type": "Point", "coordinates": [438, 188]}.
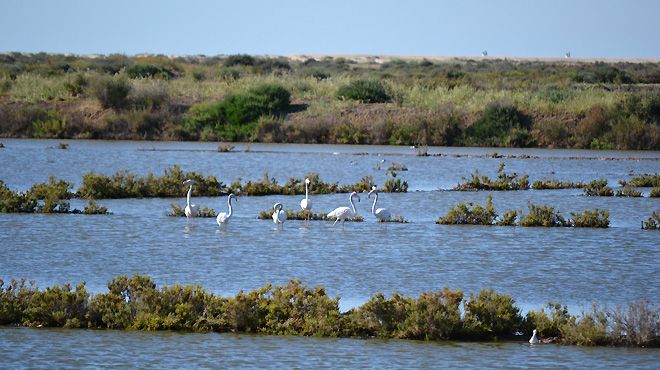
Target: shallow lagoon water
{"type": "Point", "coordinates": [576, 267]}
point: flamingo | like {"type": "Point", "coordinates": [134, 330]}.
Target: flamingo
{"type": "Point", "coordinates": [344, 213]}
{"type": "Point", "coordinates": [382, 214]}
{"type": "Point", "coordinates": [191, 210]}
{"type": "Point", "coordinates": [306, 204]}
{"type": "Point", "coordinates": [223, 217]}
{"type": "Point", "coordinates": [279, 216]}
{"type": "Point", "coordinates": [534, 339]}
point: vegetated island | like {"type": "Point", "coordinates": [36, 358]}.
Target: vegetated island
{"type": "Point", "coordinates": [349, 100]}
{"type": "Point", "coordinates": [296, 309]}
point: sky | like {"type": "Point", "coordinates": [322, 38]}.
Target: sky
{"type": "Point", "coordinates": [508, 28]}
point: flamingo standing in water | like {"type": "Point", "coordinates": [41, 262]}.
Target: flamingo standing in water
{"type": "Point", "coordinates": [306, 204]}
{"type": "Point", "coordinates": [191, 210]}
{"type": "Point", "coordinates": [382, 214]}
{"type": "Point", "coordinates": [223, 218]}
{"type": "Point", "coordinates": [279, 216]}
{"type": "Point", "coordinates": [344, 213]}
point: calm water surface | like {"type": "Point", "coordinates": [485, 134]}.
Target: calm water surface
{"type": "Point", "coordinates": [574, 266]}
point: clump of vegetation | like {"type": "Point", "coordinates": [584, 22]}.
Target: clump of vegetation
{"type": "Point", "coordinates": [125, 184]}
{"type": "Point", "coordinates": [62, 146]}
{"type": "Point", "coordinates": [394, 185]}
{"type": "Point", "coordinates": [51, 197]}
{"type": "Point", "coordinates": [177, 211]}
{"type": "Point", "coordinates": [492, 315]}
{"type": "Point", "coordinates": [366, 91]}
{"type": "Point", "coordinates": [225, 148]}
{"type": "Point", "coordinates": [467, 214]}
{"type": "Point", "coordinates": [112, 91]}
{"type": "Point", "coordinates": [628, 191]}
{"type": "Point", "coordinates": [556, 184]}
{"type": "Point", "coordinates": [598, 188]}
{"type": "Point", "coordinates": [645, 180]}
{"type": "Point", "coordinates": [588, 218]}
{"type": "Point", "coordinates": [653, 223]}
{"type": "Point", "coordinates": [655, 192]}
{"type": "Point", "coordinates": [304, 215]}
{"type": "Point", "coordinates": [296, 309]}
{"type": "Point", "coordinates": [500, 125]}
{"type": "Point", "coordinates": [504, 181]}
{"type": "Point", "coordinates": [544, 216]}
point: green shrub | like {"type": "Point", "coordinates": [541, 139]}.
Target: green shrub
{"type": "Point", "coordinates": [177, 211]}
{"type": "Point", "coordinates": [490, 314]}
{"type": "Point", "coordinates": [556, 184]}
{"type": "Point", "coordinates": [77, 85]}
{"type": "Point", "coordinates": [93, 208]}
{"type": "Point", "coordinates": [433, 316]}
{"type": "Point", "coordinates": [57, 307]}
{"type": "Point", "coordinates": [548, 326]}
{"type": "Point", "coordinates": [588, 330]}
{"type": "Point", "coordinates": [509, 218]}
{"type": "Point", "coordinates": [12, 202]}
{"type": "Point", "coordinates": [462, 214]}
{"type": "Point", "coordinates": [504, 181]}
{"type": "Point", "coordinates": [638, 325]}
{"type": "Point", "coordinates": [628, 191]}
{"type": "Point", "coordinates": [54, 194]}
{"type": "Point", "coordinates": [653, 222]}
{"type": "Point", "coordinates": [645, 180]}
{"type": "Point", "coordinates": [148, 70]}
{"type": "Point", "coordinates": [655, 192]}
{"type": "Point", "coordinates": [366, 91]}
{"type": "Point", "coordinates": [590, 218]}
{"type": "Point", "coordinates": [500, 124]}
{"type": "Point", "coordinates": [598, 188]}
{"type": "Point", "coordinates": [112, 92]}
{"type": "Point", "coordinates": [392, 185]}
{"type": "Point", "coordinates": [544, 216]}
{"type": "Point", "coordinates": [54, 126]}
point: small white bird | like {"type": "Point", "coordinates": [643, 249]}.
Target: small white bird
{"type": "Point", "coordinates": [382, 214]}
{"type": "Point", "coordinates": [279, 216]}
{"type": "Point", "coordinates": [534, 339]}
{"type": "Point", "coordinates": [344, 213]}
{"type": "Point", "coordinates": [191, 210]}
{"type": "Point", "coordinates": [223, 218]}
{"type": "Point", "coordinates": [306, 204]}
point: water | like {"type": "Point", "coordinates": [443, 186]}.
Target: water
{"type": "Point", "coordinates": [576, 267]}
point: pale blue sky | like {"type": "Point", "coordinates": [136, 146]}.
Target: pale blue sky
{"type": "Point", "coordinates": [588, 28]}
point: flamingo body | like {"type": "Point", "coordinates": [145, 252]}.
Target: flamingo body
{"type": "Point", "coordinates": [534, 339]}
{"type": "Point", "coordinates": [344, 213]}
{"type": "Point", "coordinates": [279, 216]}
{"type": "Point", "coordinates": [381, 214]}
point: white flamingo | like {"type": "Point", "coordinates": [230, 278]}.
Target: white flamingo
{"type": "Point", "coordinates": [191, 210]}
{"type": "Point", "coordinates": [534, 339]}
{"type": "Point", "coordinates": [279, 216]}
{"type": "Point", "coordinates": [223, 218]}
{"type": "Point", "coordinates": [344, 213]}
{"type": "Point", "coordinates": [306, 204]}
{"type": "Point", "coordinates": [382, 214]}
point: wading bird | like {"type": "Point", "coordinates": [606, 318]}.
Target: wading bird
{"type": "Point", "coordinates": [534, 339]}
{"type": "Point", "coordinates": [279, 216]}
{"type": "Point", "coordinates": [344, 213]}
{"type": "Point", "coordinates": [382, 214]}
{"type": "Point", "coordinates": [306, 204]}
{"type": "Point", "coordinates": [191, 210]}
{"type": "Point", "coordinates": [223, 217]}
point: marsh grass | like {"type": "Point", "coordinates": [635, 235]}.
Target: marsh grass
{"type": "Point", "coordinates": [598, 188]}
{"type": "Point", "coordinates": [296, 309]}
{"type": "Point", "coordinates": [552, 184]}
{"type": "Point", "coordinates": [653, 222]}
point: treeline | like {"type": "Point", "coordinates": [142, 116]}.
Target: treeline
{"type": "Point", "coordinates": [332, 100]}
{"type": "Point", "coordinates": [296, 309]}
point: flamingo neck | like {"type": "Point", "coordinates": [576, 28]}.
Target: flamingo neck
{"type": "Point", "coordinates": [188, 196]}
{"type": "Point", "coordinates": [229, 204]}
{"type": "Point", "coordinates": [306, 191]}
{"type": "Point", "coordinates": [350, 199]}
{"type": "Point", "coordinates": [373, 206]}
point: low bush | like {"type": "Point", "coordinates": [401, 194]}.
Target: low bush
{"type": "Point", "coordinates": [588, 218]}
{"type": "Point", "coordinates": [112, 92]}
{"type": "Point", "coordinates": [467, 214]}
{"type": "Point", "coordinates": [655, 192]}
{"type": "Point", "coordinates": [491, 314]}
{"type": "Point", "coordinates": [504, 181]}
{"type": "Point", "coordinates": [366, 91]}
{"type": "Point", "coordinates": [653, 222]}
{"type": "Point", "coordinates": [598, 188]}
{"type": "Point", "coordinates": [628, 191]}
{"type": "Point", "coordinates": [645, 180]}
{"type": "Point", "coordinates": [556, 184]}
{"type": "Point", "coordinates": [544, 216]}
{"type": "Point", "coordinates": [500, 125]}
